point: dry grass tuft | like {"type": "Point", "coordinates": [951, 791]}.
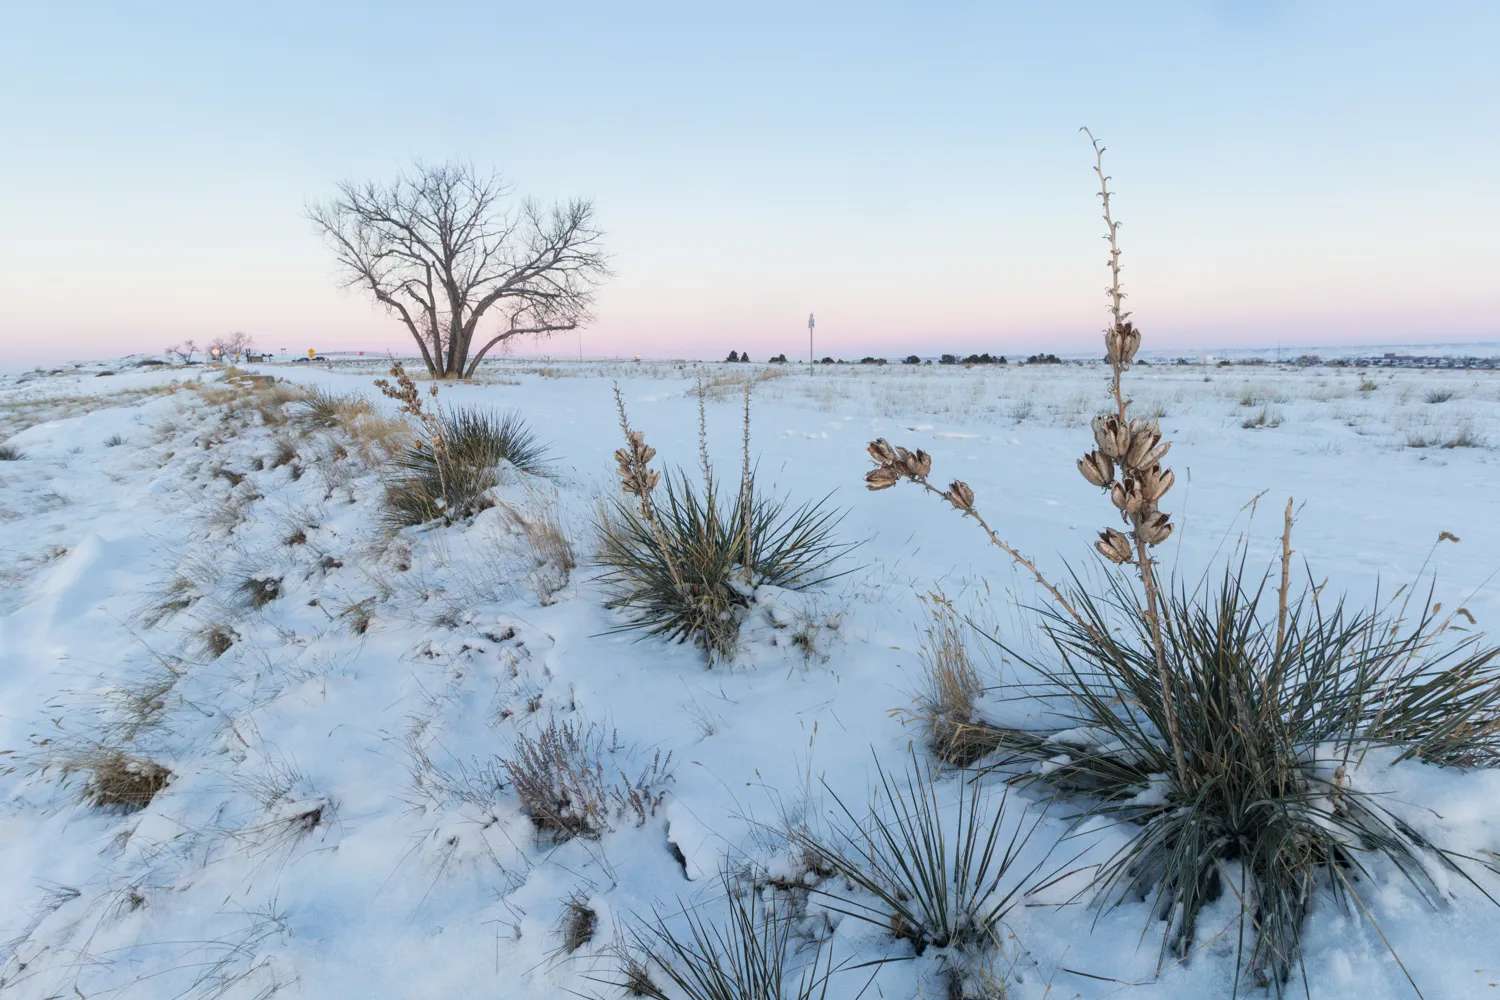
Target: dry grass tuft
{"type": "Point", "coordinates": [259, 591]}
{"type": "Point", "coordinates": [953, 684]}
{"type": "Point", "coordinates": [215, 638]}
{"type": "Point", "coordinates": [1265, 418]}
{"type": "Point", "coordinates": [547, 540]}
{"type": "Point", "coordinates": [578, 924]}
{"type": "Point", "coordinates": [118, 780]}
{"type": "Point", "coordinates": [559, 775]}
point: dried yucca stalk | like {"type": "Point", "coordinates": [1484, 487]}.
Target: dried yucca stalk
{"type": "Point", "coordinates": [1126, 464]}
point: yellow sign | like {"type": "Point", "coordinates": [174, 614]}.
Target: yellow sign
{"type": "Point", "coordinates": [311, 353]}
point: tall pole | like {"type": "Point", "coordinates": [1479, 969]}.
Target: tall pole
{"type": "Point", "coordinates": [810, 360]}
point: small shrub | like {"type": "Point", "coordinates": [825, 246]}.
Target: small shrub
{"type": "Point", "coordinates": [113, 441]}
{"type": "Point", "coordinates": [10, 453]}
{"type": "Point", "coordinates": [452, 481]}
{"type": "Point", "coordinates": [1365, 385]}
{"type": "Point", "coordinates": [1439, 395]}
{"type": "Point", "coordinates": [559, 776]}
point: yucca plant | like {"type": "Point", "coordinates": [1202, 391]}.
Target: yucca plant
{"type": "Point", "coordinates": [448, 474]}
{"type": "Point", "coordinates": [751, 955]}
{"type": "Point", "coordinates": [1230, 741]}
{"type": "Point", "coordinates": [682, 559]}
{"type": "Point", "coordinates": [933, 883]}
{"type": "Point", "coordinates": [1276, 718]}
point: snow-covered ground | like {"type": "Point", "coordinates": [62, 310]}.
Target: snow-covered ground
{"type": "Point", "coordinates": [331, 827]}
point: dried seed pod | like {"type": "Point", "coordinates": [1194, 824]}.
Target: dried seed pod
{"type": "Point", "coordinates": [1097, 468]}
{"type": "Point", "coordinates": [1112, 436]}
{"type": "Point", "coordinates": [1155, 482]}
{"type": "Point", "coordinates": [882, 452]}
{"type": "Point", "coordinates": [1154, 530]}
{"type": "Point", "coordinates": [918, 464]}
{"type": "Point", "coordinates": [1121, 343]}
{"type": "Point", "coordinates": [1142, 443]}
{"type": "Point", "coordinates": [882, 478]}
{"type": "Point", "coordinates": [960, 495]}
{"type": "Point", "coordinates": [1114, 546]}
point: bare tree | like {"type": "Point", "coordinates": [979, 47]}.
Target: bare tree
{"type": "Point", "coordinates": [184, 351]}
{"type": "Point", "coordinates": [235, 342]}
{"type": "Point", "coordinates": [441, 248]}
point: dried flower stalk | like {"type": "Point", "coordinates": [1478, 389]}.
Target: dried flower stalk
{"type": "Point", "coordinates": [405, 392]}
{"type": "Point", "coordinates": [639, 480]}
{"type": "Point", "coordinates": [1126, 464]}
{"type": "Point", "coordinates": [1133, 448]}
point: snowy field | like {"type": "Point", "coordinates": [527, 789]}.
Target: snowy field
{"type": "Point", "coordinates": [333, 826]}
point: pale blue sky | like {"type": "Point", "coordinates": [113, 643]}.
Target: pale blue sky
{"type": "Point", "coordinates": [1302, 172]}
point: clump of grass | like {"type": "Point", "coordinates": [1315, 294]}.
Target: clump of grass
{"type": "Point", "coordinates": [559, 775]}
{"type": "Point", "coordinates": [553, 560]}
{"type": "Point", "coordinates": [1439, 395]}
{"type": "Point", "coordinates": [578, 923]}
{"type": "Point", "coordinates": [10, 453]}
{"type": "Point", "coordinates": [326, 408]}
{"type": "Point", "coordinates": [682, 560]}
{"type": "Point", "coordinates": [113, 441]}
{"type": "Point", "coordinates": [451, 480]}
{"type": "Point", "coordinates": [258, 591]}
{"type": "Point", "coordinates": [750, 955]}
{"type": "Point", "coordinates": [118, 780]}
{"type": "Point", "coordinates": [933, 885]}
{"type": "Point", "coordinates": [1276, 718]}
{"type": "Point", "coordinates": [1265, 418]}
{"type": "Point", "coordinates": [216, 638]}
{"type": "Point", "coordinates": [952, 682]}
{"type": "Point", "coordinates": [1365, 385]}
{"type": "Point", "coordinates": [1464, 437]}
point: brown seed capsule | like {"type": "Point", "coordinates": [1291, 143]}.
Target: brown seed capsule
{"type": "Point", "coordinates": [1121, 343]}
{"type": "Point", "coordinates": [1112, 436]}
{"type": "Point", "coordinates": [1142, 443]}
{"type": "Point", "coordinates": [1154, 530]}
{"type": "Point", "coordinates": [1097, 468]}
{"type": "Point", "coordinates": [960, 495]}
{"type": "Point", "coordinates": [919, 464]}
{"type": "Point", "coordinates": [882, 478]}
{"type": "Point", "coordinates": [1155, 482]}
{"type": "Point", "coordinates": [1114, 546]}
{"type": "Point", "coordinates": [882, 452]}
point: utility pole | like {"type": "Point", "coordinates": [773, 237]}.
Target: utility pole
{"type": "Point", "coordinates": [810, 360]}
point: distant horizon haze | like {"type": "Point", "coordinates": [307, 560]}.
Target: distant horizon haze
{"type": "Point", "coordinates": [1308, 174]}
